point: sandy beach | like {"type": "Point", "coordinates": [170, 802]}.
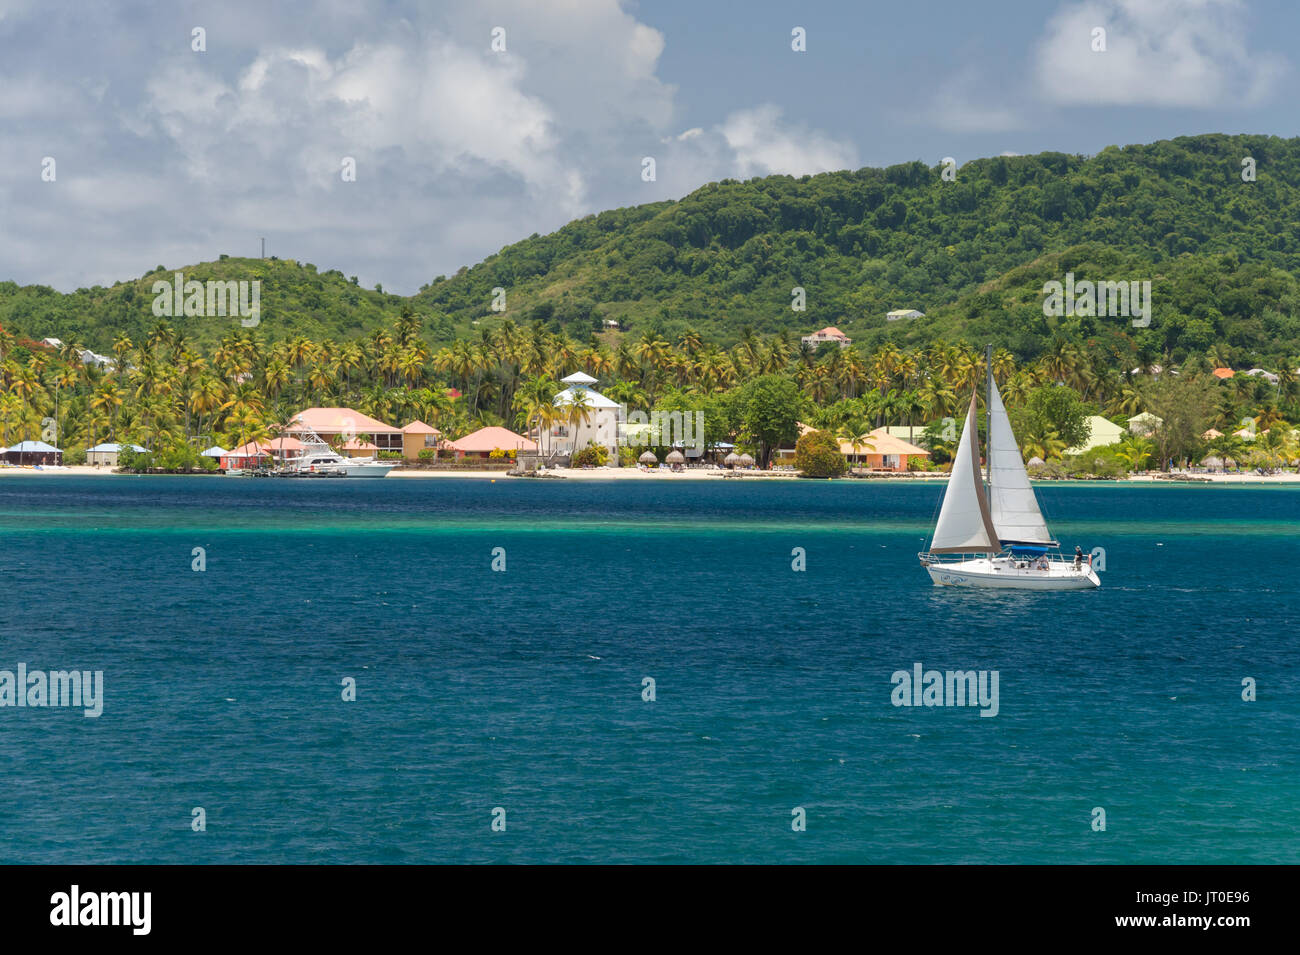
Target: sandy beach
{"type": "Point", "coordinates": [692, 474]}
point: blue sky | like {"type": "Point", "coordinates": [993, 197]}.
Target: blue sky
{"type": "Point", "coordinates": [168, 155]}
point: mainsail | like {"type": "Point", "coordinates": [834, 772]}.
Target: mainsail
{"type": "Point", "coordinates": [1011, 497]}
{"type": "Point", "coordinates": [964, 524]}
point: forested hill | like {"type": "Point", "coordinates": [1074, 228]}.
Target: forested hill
{"type": "Point", "coordinates": [1222, 255]}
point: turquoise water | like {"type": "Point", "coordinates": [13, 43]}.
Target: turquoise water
{"type": "Point", "coordinates": [523, 689]}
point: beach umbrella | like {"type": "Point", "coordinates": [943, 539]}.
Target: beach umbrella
{"type": "Point", "coordinates": [746, 460]}
{"type": "Point", "coordinates": [675, 457]}
{"type": "Point", "coordinates": [1037, 460]}
{"type": "Point", "coordinates": [731, 460]}
{"type": "Point", "coordinates": [648, 458]}
{"type": "Point", "coordinates": [1212, 462]}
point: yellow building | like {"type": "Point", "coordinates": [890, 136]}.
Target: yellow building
{"type": "Point", "coordinates": [416, 437]}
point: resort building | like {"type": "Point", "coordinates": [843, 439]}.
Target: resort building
{"type": "Point", "coordinates": [1144, 424]}
{"type": "Point", "coordinates": [1223, 373]}
{"type": "Point", "coordinates": [283, 447]}
{"type": "Point", "coordinates": [362, 435]}
{"type": "Point", "coordinates": [481, 443]}
{"type": "Point", "coordinates": [879, 450]}
{"type": "Point", "coordinates": [1102, 432]}
{"type": "Point", "coordinates": [828, 334]}
{"type": "Point", "coordinates": [105, 455]}
{"type": "Point", "coordinates": [250, 455]}
{"type": "Point", "coordinates": [31, 452]}
{"type": "Point", "coordinates": [1268, 376]}
{"type": "Point", "coordinates": [418, 436]}
{"type": "Point", "coordinates": [904, 432]}
{"type": "Point", "coordinates": [102, 362]}
{"type": "Point", "coordinates": [600, 425]}
{"type": "Point", "coordinates": [901, 313]}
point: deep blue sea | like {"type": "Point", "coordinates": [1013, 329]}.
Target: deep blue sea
{"type": "Point", "coordinates": [523, 689]}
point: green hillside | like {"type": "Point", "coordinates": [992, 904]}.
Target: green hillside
{"type": "Point", "coordinates": [862, 243]}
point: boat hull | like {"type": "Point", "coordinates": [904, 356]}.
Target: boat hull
{"type": "Point", "coordinates": [366, 470]}
{"type": "Point", "coordinates": [1007, 574]}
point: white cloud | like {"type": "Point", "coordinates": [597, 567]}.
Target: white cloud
{"type": "Point", "coordinates": [763, 145]}
{"type": "Point", "coordinates": [170, 156]}
{"type": "Point", "coordinates": [1158, 53]}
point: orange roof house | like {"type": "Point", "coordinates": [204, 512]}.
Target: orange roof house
{"type": "Point", "coordinates": [881, 451]}
{"type": "Point", "coordinates": [1222, 373]}
{"type": "Point", "coordinates": [484, 441]}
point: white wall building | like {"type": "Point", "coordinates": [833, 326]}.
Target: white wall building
{"type": "Point", "coordinates": [602, 421]}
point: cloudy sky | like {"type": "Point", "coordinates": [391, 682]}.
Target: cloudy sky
{"type": "Point", "coordinates": [164, 154]}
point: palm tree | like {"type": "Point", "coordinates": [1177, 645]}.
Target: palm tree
{"type": "Point", "coordinates": [577, 412]}
{"type": "Point", "coordinates": [854, 432]}
{"type": "Point", "coordinates": [107, 401]}
{"type": "Point", "coordinates": [1135, 452]}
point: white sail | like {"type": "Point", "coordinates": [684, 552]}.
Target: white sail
{"type": "Point", "coordinates": [964, 525]}
{"type": "Point", "coordinates": [1011, 497]}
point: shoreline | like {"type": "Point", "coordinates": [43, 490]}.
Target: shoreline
{"type": "Point", "coordinates": [634, 474]}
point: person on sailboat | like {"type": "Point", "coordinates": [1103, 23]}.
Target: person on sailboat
{"type": "Point", "coordinates": [1078, 557]}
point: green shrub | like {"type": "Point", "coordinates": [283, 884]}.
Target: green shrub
{"type": "Point", "coordinates": [593, 455]}
{"type": "Point", "coordinates": [817, 455]}
{"type": "Point", "coordinates": [1052, 470]}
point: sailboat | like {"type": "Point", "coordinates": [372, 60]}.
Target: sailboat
{"type": "Point", "coordinates": [995, 535]}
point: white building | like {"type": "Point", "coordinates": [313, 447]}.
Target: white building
{"type": "Point", "coordinates": [600, 426]}
{"type": "Point", "coordinates": [102, 362]}
{"type": "Point", "coordinates": [900, 313]}
{"type": "Point", "coordinates": [1144, 424]}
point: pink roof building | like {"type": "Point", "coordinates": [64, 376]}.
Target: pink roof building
{"type": "Point", "coordinates": [348, 422]}
{"type": "Point", "coordinates": [244, 456]}
{"type": "Point", "coordinates": [484, 441]}
{"type": "Point", "coordinates": [828, 334]}
{"type": "Point", "coordinates": [339, 421]}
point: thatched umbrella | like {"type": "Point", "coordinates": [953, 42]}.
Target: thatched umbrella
{"type": "Point", "coordinates": [746, 461]}
{"type": "Point", "coordinates": [1212, 462]}
{"type": "Point", "coordinates": [1037, 460]}
{"type": "Point", "coordinates": [675, 457]}
{"type": "Point", "coordinates": [731, 460]}
{"type": "Point", "coordinates": [648, 457]}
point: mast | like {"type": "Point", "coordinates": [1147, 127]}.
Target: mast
{"type": "Point", "coordinates": [988, 418]}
